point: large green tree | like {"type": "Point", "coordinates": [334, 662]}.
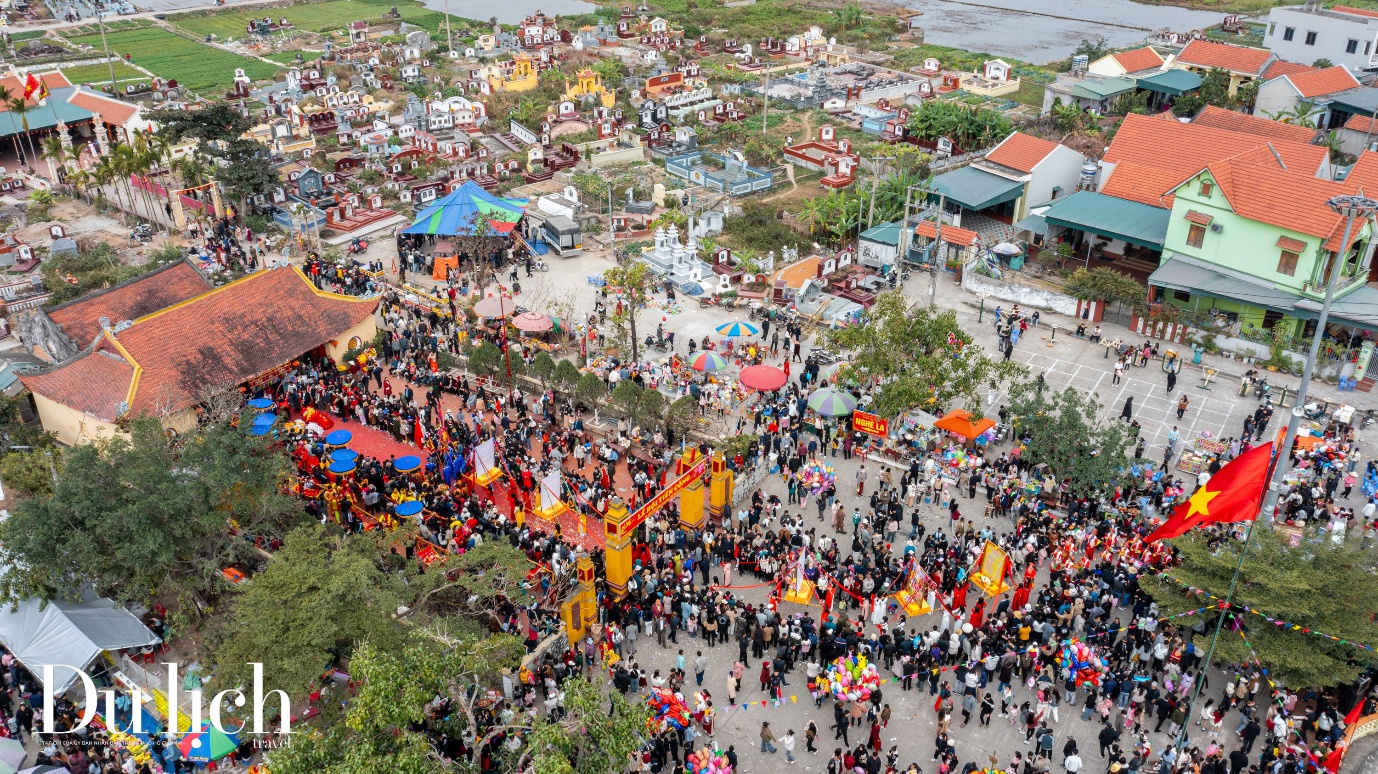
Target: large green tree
{"type": "Point", "coordinates": [637, 282]}
{"type": "Point", "coordinates": [1318, 586]}
{"type": "Point", "coordinates": [922, 358]}
{"type": "Point", "coordinates": [144, 517]}
{"type": "Point", "coordinates": [321, 593]}
{"type": "Point", "coordinates": [597, 735]}
{"type": "Point", "coordinates": [242, 166]}
{"type": "Point", "coordinates": [1063, 430]}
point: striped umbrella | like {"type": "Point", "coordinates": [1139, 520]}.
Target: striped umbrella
{"type": "Point", "coordinates": [832, 402]}
{"type": "Point", "coordinates": [738, 329]}
{"type": "Point", "coordinates": [709, 361]}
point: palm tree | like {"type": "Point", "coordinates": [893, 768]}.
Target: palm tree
{"type": "Point", "coordinates": [56, 154]}
{"type": "Point", "coordinates": [193, 170]}
{"type": "Point", "coordinates": [102, 174]}
{"type": "Point", "coordinates": [20, 107]}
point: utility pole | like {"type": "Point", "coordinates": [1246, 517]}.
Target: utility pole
{"type": "Point", "coordinates": [937, 245]}
{"type": "Point", "coordinates": [1352, 208]}
{"type": "Point", "coordinates": [765, 99]}
{"type": "Point", "coordinates": [100, 19]}
{"type": "Point", "coordinates": [449, 38]}
{"type": "Point", "coordinates": [612, 233]}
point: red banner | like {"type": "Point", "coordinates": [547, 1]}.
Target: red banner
{"type": "Point", "coordinates": [870, 424]}
{"type": "Point", "coordinates": [663, 497]}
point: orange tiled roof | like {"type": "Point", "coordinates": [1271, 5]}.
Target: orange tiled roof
{"type": "Point", "coordinates": [1185, 149]}
{"type": "Point", "coordinates": [1363, 176]}
{"type": "Point", "coordinates": [951, 234]}
{"type": "Point", "coordinates": [112, 111]}
{"type": "Point", "coordinates": [1221, 118]}
{"type": "Point", "coordinates": [1321, 82]}
{"type": "Point", "coordinates": [1372, 14]}
{"type": "Point", "coordinates": [1361, 123]}
{"type": "Point", "coordinates": [1138, 183]}
{"type": "Point", "coordinates": [15, 84]}
{"type": "Point", "coordinates": [1280, 68]}
{"type": "Point", "coordinates": [1291, 245]}
{"type": "Point", "coordinates": [156, 290]}
{"type": "Point", "coordinates": [232, 334]}
{"type": "Point", "coordinates": [95, 383]}
{"type": "Point", "coordinates": [1139, 59]}
{"type": "Point", "coordinates": [1021, 151]}
{"type": "Point", "coordinates": [1237, 59]}
{"type": "Point", "coordinates": [1267, 193]}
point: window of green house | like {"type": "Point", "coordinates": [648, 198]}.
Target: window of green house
{"type": "Point", "coordinates": [1287, 264]}
{"type": "Point", "coordinates": [1196, 235]}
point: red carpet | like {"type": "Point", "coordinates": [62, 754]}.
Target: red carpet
{"type": "Point", "coordinates": [377, 444]}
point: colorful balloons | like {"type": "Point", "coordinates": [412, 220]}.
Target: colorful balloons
{"type": "Point", "coordinates": [817, 476]}
{"type": "Point", "coordinates": [705, 761]}
{"type": "Point", "coordinates": [1083, 663]}
{"type": "Point", "coordinates": [849, 678]}
{"type": "Point", "coordinates": [669, 711]}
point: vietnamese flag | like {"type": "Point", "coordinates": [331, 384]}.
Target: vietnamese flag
{"type": "Point", "coordinates": [1232, 495]}
{"type": "Point", "coordinates": [31, 85]}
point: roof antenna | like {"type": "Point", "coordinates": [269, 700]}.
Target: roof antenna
{"type": "Point", "coordinates": [1281, 163]}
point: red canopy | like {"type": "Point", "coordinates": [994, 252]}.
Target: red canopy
{"type": "Point", "coordinates": [763, 378]}
{"type": "Point", "coordinates": [959, 421]}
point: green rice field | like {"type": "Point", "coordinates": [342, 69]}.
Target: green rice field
{"type": "Point", "coordinates": [98, 74]}
{"type": "Point", "coordinates": [327, 16]}
{"type": "Point", "coordinates": [195, 66]}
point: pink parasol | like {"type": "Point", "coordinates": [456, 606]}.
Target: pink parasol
{"type": "Point", "coordinates": [763, 378]}
{"type": "Point", "coordinates": [532, 322]}
{"type": "Point", "coordinates": [495, 306]}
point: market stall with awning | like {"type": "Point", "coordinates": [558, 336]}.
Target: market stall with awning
{"type": "Point", "coordinates": [69, 634]}
{"type": "Point", "coordinates": [468, 205]}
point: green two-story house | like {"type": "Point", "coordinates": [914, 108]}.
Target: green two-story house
{"type": "Point", "coordinates": [1253, 243]}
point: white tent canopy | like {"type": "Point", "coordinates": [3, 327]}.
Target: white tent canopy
{"type": "Point", "coordinates": [71, 634]}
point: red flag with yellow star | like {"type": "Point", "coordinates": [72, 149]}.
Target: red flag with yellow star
{"type": "Point", "coordinates": [1231, 495]}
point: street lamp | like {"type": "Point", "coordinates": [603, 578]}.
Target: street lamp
{"type": "Point", "coordinates": [1351, 208]}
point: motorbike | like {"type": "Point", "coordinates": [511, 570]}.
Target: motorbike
{"type": "Point", "coordinates": [1262, 388]}
{"type": "Point", "coordinates": [1313, 411]}
{"type": "Point", "coordinates": [141, 233]}
{"type": "Point", "coordinates": [357, 246]}
{"type": "Point", "coordinates": [897, 276]}
{"type": "Point", "coordinates": [539, 265]}
{"type": "Point", "coordinates": [659, 345]}
{"type": "Point", "coordinates": [707, 300]}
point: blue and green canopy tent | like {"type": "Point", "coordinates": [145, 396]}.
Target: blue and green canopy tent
{"type": "Point", "coordinates": [457, 213]}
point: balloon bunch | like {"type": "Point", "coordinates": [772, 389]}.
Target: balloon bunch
{"type": "Point", "coordinates": [848, 678]}
{"type": "Point", "coordinates": [1082, 663]}
{"type": "Point", "coordinates": [668, 711]}
{"type": "Point", "coordinates": [817, 476]}
{"type": "Point", "coordinates": [706, 761]}
{"type": "Point", "coordinates": [960, 458]}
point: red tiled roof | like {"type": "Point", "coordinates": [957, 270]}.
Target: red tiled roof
{"type": "Point", "coordinates": [951, 234]}
{"type": "Point", "coordinates": [1360, 123]}
{"type": "Point", "coordinates": [1321, 82]}
{"type": "Point", "coordinates": [1291, 245]}
{"type": "Point", "coordinates": [1267, 193]}
{"type": "Point", "coordinates": [156, 290]}
{"type": "Point", "coordinates": [1237, 59]}
{"type": "Point", "coordinates": [111, 111]}
{"type": "Point", "coordinates": [1199, 218]}
{"type": "Point", "coordinates": [1221, 118]}
{"type": "Point", "coordinates": [1138, 59]}
{"type": "Point", "coordinates": [232, 334]}
{"type": "Point", "coordinates": [15, 84]}
{"type": "Point", "coordinates": [1021, 151]}
{"type": "Point", "coordinates": [1280, 68]}
{"type": "Point", "coordinates": [1138, 183]}
{"type": "Point", "coordinates": [1372, 14]}
{"type": "Point", "coordinates": [1185, 149]}
{"type": "Point", "coordinates": [1363, 176]}
{"type": "Point", "coordinates": [95, 383]}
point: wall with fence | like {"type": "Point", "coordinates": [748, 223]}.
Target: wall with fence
{"type": "Point", "coordinates": [1024, 295]}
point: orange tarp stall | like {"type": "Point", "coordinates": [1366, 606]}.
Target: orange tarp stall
{"type": "Point", "coordinates": [1303, 442]}
{"type": "Point", "coordinates": [959, 421]}
{"type": "Point", "coordinates": [443, 265]}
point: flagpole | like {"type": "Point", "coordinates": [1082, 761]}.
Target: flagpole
{"type": "Point", "coordinates": [1352, 208]}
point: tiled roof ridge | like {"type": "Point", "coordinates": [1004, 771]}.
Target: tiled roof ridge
{"type": "Point", "coordinates": [121, 285]}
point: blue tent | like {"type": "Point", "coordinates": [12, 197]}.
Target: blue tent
{"type": "Point", "coordinates": [456, 213]}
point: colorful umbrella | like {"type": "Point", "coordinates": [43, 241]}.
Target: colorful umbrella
{"type": "Point", "coordinates": [466, 206]}
{"type": "Point", "coordinates": [763, 378]}
{"type": "Point", "coordinates": [208, 744]}
{"type": "Point", "coordinates": [959, 421]}
{"type": "Point", "coordinates": [495, 306]}
{"type": "Point", "coordinates": [709, 361]}
{"type": "Point", "coordinates": [738, 329]}
{"type": "Point", "coordinates": [532, 322]}
{"type": "Point", "coordinates": [832, 402]}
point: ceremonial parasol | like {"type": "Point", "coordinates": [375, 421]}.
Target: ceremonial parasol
{"type": "Point", "coordinates": [832, 402]}
{"type": "Point", "coordinates": [407, 464]}
{"type": "Point", "coordinates": [341, 467]}
{"type": "Point", "coordinates": [763, 378]}
{"type": "Point", "coordinates": [339, 438]}
{"type": "Point", "coordinates": [344, 455]}
{"type": "Point", "coordinates": [265, 420]}
{"type": "Point", "coordinates": [260, 404]}
{"type": "Point", "coordinates": [959, 421]}
{"type": "Point", "coordinates": [410, 508]}
{"type": "Point", "coordinates": [709, 361]}
{"type": "Point", "coordinates": [260, 429]}
{"type": "Point", "coordinates": [495, 306]}
{"type": "Point", "coordinates": [738, 329]}
{"type": "Point", "coordinates": [532, 322]}
{"type": "Point", "coordinates": [208, 744]}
